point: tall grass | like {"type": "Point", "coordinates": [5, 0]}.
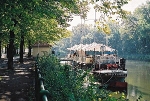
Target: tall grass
{"type": "Point", "coordinates": [68, 84]}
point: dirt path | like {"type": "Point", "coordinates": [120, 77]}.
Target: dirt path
{"type": "Point", "coordinates": [17, 84]}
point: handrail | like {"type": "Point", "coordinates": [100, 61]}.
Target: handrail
{"type": "Point", "coordinates": [40, 92]}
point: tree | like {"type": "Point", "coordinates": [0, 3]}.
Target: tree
{"type": "Point", "coordinates": [45, 20]}
{"type": "Point", "coordinates": [17, 13]}
{"type": "Point", "coordinates": [136, 29]}
{"type": "Point", "coordinates": [143, 13]}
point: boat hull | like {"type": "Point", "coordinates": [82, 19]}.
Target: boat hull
{"type": "Point", "coordinates": [118, 86]}
{"type": "Point", "coordinates": [107, 76]}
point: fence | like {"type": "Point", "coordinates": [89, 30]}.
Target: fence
{"type": "Point", "coordinates": [40, 93]}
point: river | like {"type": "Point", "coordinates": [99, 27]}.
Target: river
{"type": "Point", "coordinates": [138, 80]}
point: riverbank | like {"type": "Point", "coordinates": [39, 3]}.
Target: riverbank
{"type": "Point", "coordinates": [140, 57]}
{"type": "Point", "coordinates": [17, 84]}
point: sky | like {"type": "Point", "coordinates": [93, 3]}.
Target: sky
{"type": "Point", "coordinates": [134, 4]}
{"type": "Point", "coordinates": [91, 15]}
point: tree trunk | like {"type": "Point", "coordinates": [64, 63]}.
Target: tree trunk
{"type": "Point", "coordinates": [10, 50]}
{"type": "Point", "coordinates": [0, 49]}
{"type": "Point", "coordinates": [17, 52]}
{"type": "Point", "coordinates": [21, 48]}
{"type": "Point", "coordinates": [29, 48]}
{"type": "Point", "coordinates": [7, 48]}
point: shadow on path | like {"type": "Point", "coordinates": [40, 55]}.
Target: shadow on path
{"type": "Point", "coordinates": [17, 84]}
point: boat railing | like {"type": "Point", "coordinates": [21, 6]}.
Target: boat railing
{"type": "Point", "coordinates": [106, 59]}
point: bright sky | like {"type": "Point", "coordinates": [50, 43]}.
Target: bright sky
{"type": "Point", "coordinates": [91, 15]}
{"type": "Point", "coordinates": [134, 4]}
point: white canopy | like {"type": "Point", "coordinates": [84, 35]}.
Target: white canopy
{"type": "Point", "coordinates": [91, 47]}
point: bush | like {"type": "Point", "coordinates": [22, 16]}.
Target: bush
{"type": "Point", "coordinates": [68, 84]}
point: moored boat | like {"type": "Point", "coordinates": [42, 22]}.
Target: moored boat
{"type": "Point", "coordinates": [106, 66]}
{"type": "Point", "coordinates": [110, 70]}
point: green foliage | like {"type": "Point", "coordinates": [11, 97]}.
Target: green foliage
{"type": "Point", "coordinates": [47, 18]}
{"type": "Point", "coordinates": [135, 31]}
{"type": "Point", "coordinates": [67, 84]}
{"type": "Point", "coordinates": [109, 8]}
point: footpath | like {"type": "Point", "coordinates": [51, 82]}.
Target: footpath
{"type": "Point", "coordinates": [17, 84]}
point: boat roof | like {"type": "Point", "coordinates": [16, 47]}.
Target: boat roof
{"type": "Point", "coordinates": [91, 47]}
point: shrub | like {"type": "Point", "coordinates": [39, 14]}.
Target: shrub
{"type": "Point", "coordinates": [68, 84]}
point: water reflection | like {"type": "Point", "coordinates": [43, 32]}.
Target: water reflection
{"type": "Point", "coordinates": [138, 80]}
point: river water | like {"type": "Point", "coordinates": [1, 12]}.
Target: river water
{"type": "Point", "coordinates": [138, 80]}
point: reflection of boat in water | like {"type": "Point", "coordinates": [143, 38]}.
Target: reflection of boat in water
{"type": "Point", "coordinates": [106, 66]}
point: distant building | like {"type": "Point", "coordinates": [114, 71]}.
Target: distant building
{"type": "Point", "coordinates": [41, 49]}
